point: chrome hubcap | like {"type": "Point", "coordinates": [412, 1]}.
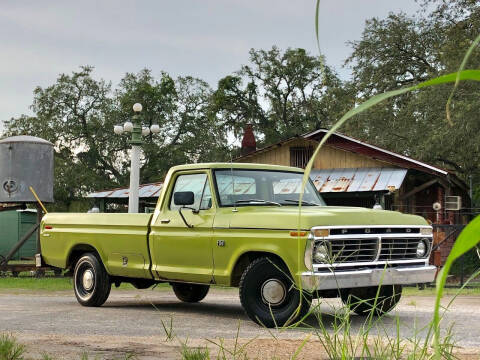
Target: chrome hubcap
{"type": "Point", "coordinates": [87, 280]}
{"type": "Point", "coordinates": [273, 292]}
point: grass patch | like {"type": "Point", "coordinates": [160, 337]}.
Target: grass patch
{"type": "Point", "coordinates": [53, 284]}
{"type": "Point", "coordinates": [10, 349]}
{"type": "Point", "coordinates": [189, 353]}
{"type": "Point", "coordinates": [31, 283]}
{"type": "Point", "coordinates": [431, 291]}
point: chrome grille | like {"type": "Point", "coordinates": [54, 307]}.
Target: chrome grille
{"type": "Point", "coordinates": [353, 250]}
{"type": "Point", "coordinates": [398, 249]}
{"type": "Point", "coordinates": [391, 247]}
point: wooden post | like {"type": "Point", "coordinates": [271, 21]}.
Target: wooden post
{"type": "Point", "coordinates": [39, 219]}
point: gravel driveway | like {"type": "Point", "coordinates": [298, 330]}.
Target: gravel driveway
{"type": "Point", "coordinates": [54, 322]}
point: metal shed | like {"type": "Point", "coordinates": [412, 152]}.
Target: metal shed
{"type": "Point", "coordinates": [15, 224]}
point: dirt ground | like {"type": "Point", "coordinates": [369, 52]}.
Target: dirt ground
{"type": "Point", "coordinates": [130, 322]}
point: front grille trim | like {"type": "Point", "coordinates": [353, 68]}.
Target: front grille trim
{"type": "Point", "coordinates": [376, 248]}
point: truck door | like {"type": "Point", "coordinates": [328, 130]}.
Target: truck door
{"type": "Point", "coordinates": [181, 248]}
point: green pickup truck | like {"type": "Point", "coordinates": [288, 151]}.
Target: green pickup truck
{"type": "Point", "coordinates": [239, 225]}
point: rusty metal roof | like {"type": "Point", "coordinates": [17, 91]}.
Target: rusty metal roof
{"type": "Point", "coordinates": [358, 179]}
{"type": "Point", "coordinates": [326, 180]}
{"type": "Point", "coordinates": [145, 191]}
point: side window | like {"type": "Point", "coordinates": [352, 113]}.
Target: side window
{"type": "Point", "coordinates": [198, 184]}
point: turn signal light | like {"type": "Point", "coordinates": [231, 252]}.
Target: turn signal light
{"type": "Point", "coordinates": [321, 232]}
{"type": "Point", "coordinates": [298, 233]}
{"type": "Point", "coordinates": [426, 231]}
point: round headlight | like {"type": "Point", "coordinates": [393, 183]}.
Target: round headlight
{"type": "Point", "coordinates": [320, 254]}
{"type": "Point", "coordinates": [422, 248]}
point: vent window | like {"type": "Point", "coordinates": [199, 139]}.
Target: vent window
{"type": "Point", "coordinates": [299, 156]}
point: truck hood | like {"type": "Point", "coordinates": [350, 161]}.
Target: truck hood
{"type": "Point", "coordinates": [286, 217]}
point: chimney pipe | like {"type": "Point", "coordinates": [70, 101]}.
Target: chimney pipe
{"type": "Point", "coordinates": [249, 144]}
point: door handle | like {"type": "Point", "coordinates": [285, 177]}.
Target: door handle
{"type": "Point", "coordinates": [165, 221]}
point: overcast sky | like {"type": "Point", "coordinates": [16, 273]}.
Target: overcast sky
{"type": "Point", "coordinates": [203, 38]}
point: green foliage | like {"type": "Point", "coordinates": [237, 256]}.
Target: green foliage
{"type": "Point", "coordinates": [188, 353]}
{"type": "Point", "coordinates": [282, 94]}
{"type": "Point", "coordinates": [77, 115]}
{"type": "Point", "coordinates": [168, 329]}
{"type": "Point", "coordinates": [466, 264]}
{"type": "Point", "coordinates": [10, 349]}
{"type": "Point", "coordinates": [468, 239]}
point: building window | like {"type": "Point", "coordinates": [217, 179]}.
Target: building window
{"type": "Point", "coordinates": [299, 156]}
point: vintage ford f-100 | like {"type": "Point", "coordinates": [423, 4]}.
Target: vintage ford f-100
{"type": "Point", "coordinates": [239, 225]}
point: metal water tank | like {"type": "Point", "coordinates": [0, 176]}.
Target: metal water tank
{"type": "Point", "coordinates": [25, 161]}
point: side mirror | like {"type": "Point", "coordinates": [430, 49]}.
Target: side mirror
{"type": "Point", "coordinates": [183, 198]}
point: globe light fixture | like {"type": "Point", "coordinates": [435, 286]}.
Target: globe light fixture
{"type": "Point", "coordinates": [137, 107]}
{"type": "Point", "coordinates": [118, 129]}
{"type": "Point", "coordinates": [128, 126]}
{"type": "Point", "coordinates": [155, 128]}
{"type": "Point", "coordinates": [145, 131]}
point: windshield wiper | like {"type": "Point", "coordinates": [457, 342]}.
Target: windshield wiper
{"type": "Point", "coordinates": [303, 202]}
{"type": "Point", "coordinates": [257, 201]}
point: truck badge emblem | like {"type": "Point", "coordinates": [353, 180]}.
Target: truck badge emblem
{"type": "Point", "coordinates": [409, 230]}
{"type": "Point", "coordinates": [221, 242]}
{"type": "Point", "coordinates": [389, 230]}
{"type": "Point", "coordinates": [367, 231]}
{"type": "Point", "coordinates": [124, 261]}
{"type": "Point", "coordinates": [344, 231]}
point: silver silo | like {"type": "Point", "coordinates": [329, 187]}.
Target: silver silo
{"type": "Point", "coordinates": [26, 161]}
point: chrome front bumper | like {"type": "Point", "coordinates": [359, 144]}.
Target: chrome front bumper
{"type": "Point", "coordinates": [367, 277]}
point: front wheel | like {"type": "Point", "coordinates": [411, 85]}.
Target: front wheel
{"type": "Point", "coordinates": [91, 281]}
{"type": "Point", "coordinates": [364, 300]}
{"type": "Point", "coordinates": [269, 296]}
{"type": "Point", "coordinates": [190, 293]}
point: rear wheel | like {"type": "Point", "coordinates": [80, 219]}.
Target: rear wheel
{"type": "Point", "coordinates": [362, 300]}
{"type": "Point", "coordinates": [269, 296]}
{"type": "Point", "coordinates": [91, 281]}
{"type": "Point", "coordinates": [190, 293]}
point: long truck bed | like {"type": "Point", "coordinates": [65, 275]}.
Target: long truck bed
{"type": "Point", "coordinates": [116, 237]}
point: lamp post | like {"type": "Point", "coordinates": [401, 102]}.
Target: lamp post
{"type": "Point", "coordinates": [135, 127]}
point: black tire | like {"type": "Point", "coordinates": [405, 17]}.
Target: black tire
{"type": "Point", "coordinates": [190, 293]}
{"type": "Point", "coordinates": [361, 300]}
{"type": "Point", "coordinates": [276, 306]}
{"type": "Point", "coordinates": [92, 289]}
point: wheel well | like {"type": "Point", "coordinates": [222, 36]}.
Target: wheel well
{"type": "Point", "coordinates": [77, 252]}
{"type": "Point", "coordinates": [245, 259]}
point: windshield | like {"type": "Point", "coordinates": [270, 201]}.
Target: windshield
{"type": "Point", "coordinates": [243, 187]}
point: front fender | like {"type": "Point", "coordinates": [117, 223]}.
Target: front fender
{"type": "Point", "coordinates": [290, 249]}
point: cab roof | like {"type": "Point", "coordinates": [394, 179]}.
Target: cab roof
{"type": "Point", "coordinates": [235, 165]}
